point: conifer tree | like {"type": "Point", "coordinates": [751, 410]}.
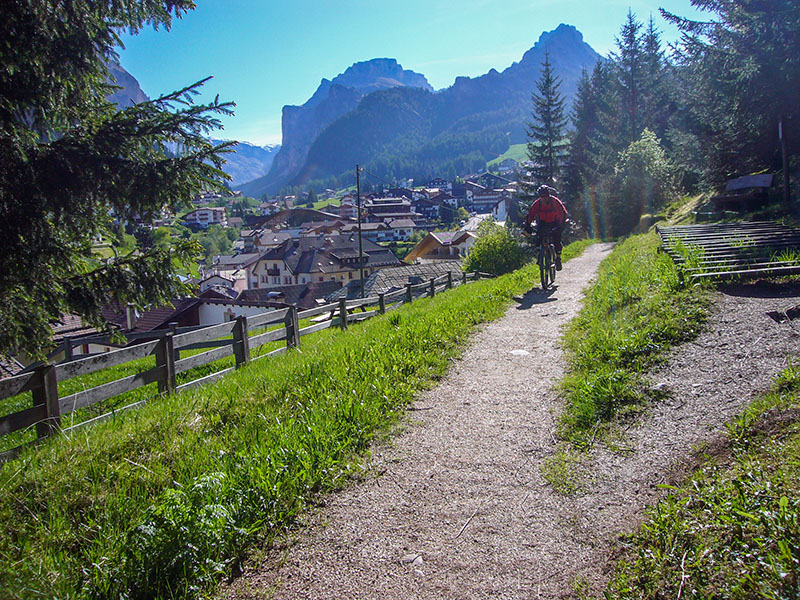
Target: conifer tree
{"type": "Point", "coordinates": [584, 123]}
{"type": "Point", "coordinates": [741, 70]}
{"type": "Point", "coordinates": [547, 129]}
{"type": "Point", "coordinates": [628, 60]}
{"type": "Point", "coordinates": [69, 160]}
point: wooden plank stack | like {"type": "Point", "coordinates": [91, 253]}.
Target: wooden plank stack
{"type": "Point", "coordinates": [726, 251]}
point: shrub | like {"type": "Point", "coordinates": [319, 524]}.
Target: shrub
{"type": "Point", "coordinates": [643, 181]}
{"type": "Point", "coordinates": [495, 251]}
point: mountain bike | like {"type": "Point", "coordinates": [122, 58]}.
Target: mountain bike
{"type": "Point", "coordinates": [546, 258]}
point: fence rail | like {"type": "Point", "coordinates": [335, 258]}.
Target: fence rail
{"type": "Point", "coordinates": [238, 338]}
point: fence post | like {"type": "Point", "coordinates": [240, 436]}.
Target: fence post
{"type": "Point", "coordinates": [464, 278]}
{"type": "Point", "coordinates": [46, 393]}
{"type": "Point", "coordinates": [433, 287]}
{"type": "Point", "coordinates": [292, 328]}
{"type": "Point", "coordinates": [343, 312]}
{"type": "Point", "coordinates": [477, 276]}
{"type": "Point", "coordinates": [449, 280]}
{"type": "Point", "coordinates": [382, 303]}
{"type": "Point", "coordinates": [241, 341]}
{"type": "Point", "coordinates": [165, 357]}
{"type": "Point", "coordinates": [409, 294]}
{"type": "Point", "coordinates": [173, 327]}
{"type": "Point", "coordinates": [67, 349]}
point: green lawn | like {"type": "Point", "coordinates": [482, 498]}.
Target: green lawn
{"type": "Point", "coordinates": [635, 312]}
{"type": "Point", "coordinates": [732, 530]}
{"type": "Point", "coordinates": [164, 501]}
{"type": "Point", "coordinates": [519, 152]}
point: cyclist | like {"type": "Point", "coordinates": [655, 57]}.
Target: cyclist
{"type": "Point", "coordinates": [550, 215]}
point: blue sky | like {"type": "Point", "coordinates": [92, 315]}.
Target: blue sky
{"type": "Point", "coordinates": [267, 53]}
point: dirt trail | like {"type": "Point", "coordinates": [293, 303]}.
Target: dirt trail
{"type": "Point", "coordinates": [456, 506]}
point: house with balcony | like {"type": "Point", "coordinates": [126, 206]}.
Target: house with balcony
{"type": "Point", "coordinates": [439, 184]}
{"type": "Point", "coordinates": [442, 245]}
{"type": "Point", "coordinates": [446, 199]}
{"type": "Point", "coordinates": [402, 229]}
{"type": "Point", "coordinates": [427, 208]}
{"type": "Point", "coordinates": [308, 260]}
{"type": "Point", "coordinates": [485, 200]}
{"type": "Point", "coordinates": [203, 218]}
{"type": "Point", "coordinates": [237, 268]}
{"type": "Point", "coordinates": [386, 209]}
{"type": "Point", "coordinates": [374, 232]}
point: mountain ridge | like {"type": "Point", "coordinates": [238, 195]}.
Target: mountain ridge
{"type": "Point", "coordinates": [454, 128]}
{"type": "Point", "coordinates": [301, 125]}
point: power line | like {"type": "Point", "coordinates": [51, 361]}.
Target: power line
{"type": "Point", "coordinates": [363, 170]}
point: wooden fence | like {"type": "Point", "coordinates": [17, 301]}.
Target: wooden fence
{"type": "Point", "coordinates": [231, 338]}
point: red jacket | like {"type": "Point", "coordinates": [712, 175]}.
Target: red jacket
{"type": "Point", "coordinates": [547, 210]}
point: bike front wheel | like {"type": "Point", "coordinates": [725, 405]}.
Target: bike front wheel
{"type": "Point", "coordinates": [544, 270]}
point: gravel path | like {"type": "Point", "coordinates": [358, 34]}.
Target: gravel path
{"type": "Point", "coordinates": [456, 506]}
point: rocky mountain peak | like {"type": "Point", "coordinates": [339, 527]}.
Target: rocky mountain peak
{"type": "Point", "coordinates": [380, 73]}
{"type": "Point", "coordinates": [563, 39]}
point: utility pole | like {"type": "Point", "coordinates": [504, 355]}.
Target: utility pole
{"type": "Point", "coordinates": [784, 153]}
{"type": "Point", "coordinates": [360, 247]}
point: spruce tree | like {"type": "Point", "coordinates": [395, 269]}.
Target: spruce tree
{"type": "Point", "coordinates": [630, 70]}
{"type": "Point", "coordinates": [584, 125]}
{"type": "Point", "coordinates": [741, 70]}
{"type": "Point", "coordinates": [656, 104]}
{"type": "Point", "coordinates": [71, 163]}
{"type": "Point", "coordinates": [547, 129]}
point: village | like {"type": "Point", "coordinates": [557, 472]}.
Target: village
{"type": "Point", "coordinates": [288, 253]}
{"type": "Point", "coordinates": [291, 253]}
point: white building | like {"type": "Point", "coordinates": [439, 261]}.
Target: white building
{"type": "Point", "coordinates": [206, 217]}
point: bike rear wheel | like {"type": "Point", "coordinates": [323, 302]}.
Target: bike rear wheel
{"type": "Point", "coordinates": [544, 268]}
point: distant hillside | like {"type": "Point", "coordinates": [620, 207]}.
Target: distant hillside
{"type": "Point", "coordinates": [129, 92]}
{"type": "Point", "coordinates": [302, 124]}
{"type": "Point", "coordinates": [412, 131]}
{"type": "Point", "coordinates": [248, 162]}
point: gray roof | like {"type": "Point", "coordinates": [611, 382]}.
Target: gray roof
{"type": "Point", "coordinates": [390, 279]}
{"type": "Point", "coordinates": [397, 223]}
{"type": "Point", "coordinates": [237, 261]}
{"type": "Point", "coordinates": [326, 253]}
{"type": "Point", "coordinates": [302, 296]}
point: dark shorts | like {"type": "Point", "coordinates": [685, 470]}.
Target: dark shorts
{"type": "Point", "coordinates": [554, 229]}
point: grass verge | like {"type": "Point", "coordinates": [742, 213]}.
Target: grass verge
{"type": "Point", "coordinates": [635, 312]}
{"type": "Point", "coordinates": [164, 501]}
{"type": "Point", "coordinates": [733, 529]}
{"type": "Point", "coordinates": [144, 393]}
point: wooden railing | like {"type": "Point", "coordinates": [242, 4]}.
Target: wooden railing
{"type": "Point", "coordinates": [231, 338]}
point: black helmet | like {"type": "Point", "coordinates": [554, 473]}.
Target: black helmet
{"type": "Point", "coordinates": [544, 190]}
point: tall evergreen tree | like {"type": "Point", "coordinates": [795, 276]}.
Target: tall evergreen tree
{"type": "Point", "coordinates": [547, 129]}
{"type": "Point", "coordinates": [584, 125]}
{"type": "Point", "coordinates": [656, 104]}
{"type": "Point", "coordinates": [742, 71]}
{"type": "Point", "coordinates": [69, 159]}
{"type": "Point", "coordinates": [630, 70]}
